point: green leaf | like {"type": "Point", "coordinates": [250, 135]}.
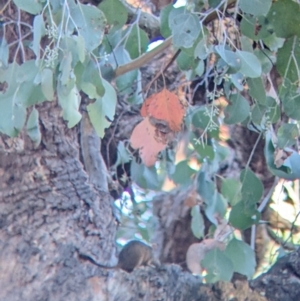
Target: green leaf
{"type": "Point", "coordinates": [197, 223]}
{"type": "Point", "coordinates": [218, 266]}
{"type": "Point", "coordinates": [137, 42]}
{"type": "Point", "coordinates": [205, 187]}
{"type": "Point", "coordinates": [123, 154]}
{"type": "Point", "coordinates": [38, 33]}
{"type": "Point", "coordinates": [257, 90]}
{"type": "Point", "coordinates": [242, 257]}
{"type": "Point", "coordinates": [214, 3]}
{"type": "Point", "coordinates": [30, 6]}
{"type": "Point", "coordinates": [145, 177]}
{"type": "Point", "coordinates": [47, 83]}
{"type": "Point", "coordinates": [254, 28]}
{"type": "Point", "coordinates": [32, 128]}
{"type": "Point", "coordinates": [164, 21]}
{"type": "Point", "coordinates": [255, 7]}
{"type": "Point", "coordinates": [185, 61]}
{"type": "Point", "coordinates": [273, 42]}
{"type": "Point", "coordinates": [284, 15]}
{"type": "Point", "coordinates": [242, 217]}
{"type": "Point", "coordinates": [216, 206]}
{"type": "Point", "coordinates": [183, 173]}
{"type": "Point", "coordinates": [103, 109]}
{"type": "Point", "coordinates": [203, 49]}
{"type": "Point", "coordinates": [91, 82]}
{"type": "Point", "coordinates": [125, 82]}
{"type": "Point", "coordinates": [115, 13]}
{"type": "Point", "coordinates": [257, 114]}
{"type": "Point", "coordinates": [290, 97]}
{"type": "Point", "coordinates": [66, 67]}
{"type": "Point", "coordinates": [4, 52]}
{"type": "Point", "coordinates": [250, 65]}
{"type": "Point", "coordinates": [19, 92]}
{"type": "Point", "coordinates": [287, 134]}
{"type": "Point", "coordinates": [266, 58]}
{"type": "Point", "coordinates": [185, 28]}
{"type": "Point", "coordinates": [273, 112]}
{"type": "Point", "coordinates": [231, 58]}
{"type": "Point", "coordinates": [89, 21]}
{"type": "Point", "coordinates": [288, 59]}
{"type": "Point", "coordinates": [200, 68]}
{"type": "Point", "coordinates": [201, 119]}
{"type": "Point", "coordinates": [205, 151]}
{"type": "Point", "coordinates": [252, 187]}
{"type": "Point", "coordinates": [231, 190]}
{"type": "Point", "coordinates": [237, 80]}
{"type": "Point", "coordinates": [69, 101]}
{"type": "Point", "coordinates": [237, 110]}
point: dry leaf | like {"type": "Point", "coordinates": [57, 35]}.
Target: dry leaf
{"type": "Point", "coordinates": [165, 106]}
{"type": "Point", "coordinates": [144, 138]}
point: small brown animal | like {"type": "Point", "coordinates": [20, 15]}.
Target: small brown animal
{"type": "Point", "coordinates": [134, 254]}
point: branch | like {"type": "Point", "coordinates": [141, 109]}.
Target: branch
{"type": "Point", "coordinates": [147, 57]}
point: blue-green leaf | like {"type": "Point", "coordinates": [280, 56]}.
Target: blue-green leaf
{"type": "Point", "coordinates": [102, 111]}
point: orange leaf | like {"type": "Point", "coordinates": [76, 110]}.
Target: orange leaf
{"type": "Point", "coordinates": [145, 106]}
{"type": "Point", "coordinates": [166, 106]}
{"type": "Point", "coordinates": [144, 138]}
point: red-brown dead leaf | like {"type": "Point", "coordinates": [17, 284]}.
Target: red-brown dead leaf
{"type": "Point", "coordinates": [145, 106]}
{"type": "Point", "coordinates": [144, 138]}
{"type": "Point", "coordinates": [166, 106]}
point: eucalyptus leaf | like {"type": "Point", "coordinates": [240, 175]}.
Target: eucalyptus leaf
{"type": "Point", "coordinates": [237, 110]}
{"type": "Point", "coordinates": [89, 21]}
{"type": "Point", "coordinates": [32, 127]}
{"type": "Point", "coordinates": [257, 90]}
{"type": "Point", "coordinates": [69, 101]}
{"type": "Point", "coordinates": [185, 28]}
{"type": "Point", "coordinates": [137, 41]}
{"type": "Point", "coordinates": [47, 83]}
{"type": "Point", "coordinates": [288, 59]}
{"type": "Point", "coordinates": [255, 7]}
{"type": "Point", "coordinates": [243, 217]}
{"type": "Point", "coordinates": [287, 26]}
{"type": "Point", "coordinates": [250, 65]}
{"type": "Point", "coordinates": [30, 6]}
{"type": "Point", "coordinates": [102, 111]}
{"type": "Point", "coordinates": [242, 257]}
{"type": "Point", "coordinates": [164, 20]}
{"type": "Point", "coordinates": [197, 223]}
{"type": "Point", "coordinates": [218, 266]}
{"type": "Point", "coordinates": [4, 53]}
{"type": "Point", "coordinates": [287, 135]}
{"type": "Point", "coordinates": [38, 33]}
{"type": "Point", "coordinates": [231, 190]}
{"type": "Point", "coordinates": [115, 13]}
{"type": "Point", "coordinates": [252, 187]}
